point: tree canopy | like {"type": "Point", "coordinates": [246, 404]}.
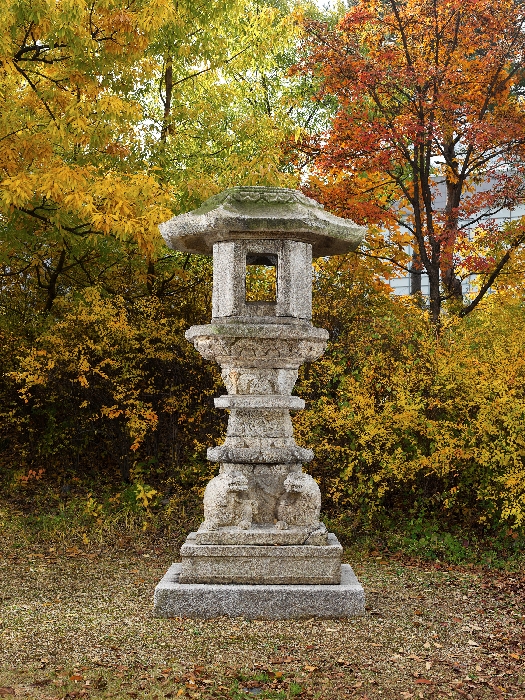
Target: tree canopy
{"type": "Point", "coordinates": [428, 139]}
{"type": "Point", "coordinates": [115, 115]}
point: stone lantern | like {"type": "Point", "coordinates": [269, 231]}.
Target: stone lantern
{"type": "Point", "coordinates": [261, 550]}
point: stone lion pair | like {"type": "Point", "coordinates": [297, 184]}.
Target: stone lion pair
{"type": "Point", "coordinates": [227, 502]}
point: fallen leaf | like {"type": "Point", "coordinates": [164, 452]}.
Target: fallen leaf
{"type": "Point", "coordinates": [472, 643]}
{"type": "Point", "coordinates": [310, 668]}
{"type": "Point", "coordinates": [423, 681]}
{"type": "Point", "coordinates": [7, 691]}
{"type": "Point", "coordinates": [76, 677]}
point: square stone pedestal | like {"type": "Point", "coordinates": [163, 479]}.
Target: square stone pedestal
{"type": "Point", "coordinates": [258, 602]}
{"type": "Point", "coordinates": [261, 564]}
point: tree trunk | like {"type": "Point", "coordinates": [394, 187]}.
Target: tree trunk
{"type": "Point", "coordinates": [168, 86]}
{"type": "Point", "coordinates": [454, 187]}
{"type": "Point", "coordinates": [150, 276]}
{"type": "Point", "coordinates": [435, 295]}
{"type": "Point", "coordinates": [415, 274]}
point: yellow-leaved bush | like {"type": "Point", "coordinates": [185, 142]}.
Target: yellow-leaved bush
{"type": "Point", "coordinates": [111, 389]}
{"type": "Point", "coordinates": [404, 420]}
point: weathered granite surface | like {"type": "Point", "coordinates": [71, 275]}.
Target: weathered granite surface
{"type": "Point", "coordinates": [262, 602]}
{"type": "Point", "coordinates": [261, 512]}
{"type": "Point", "coordinates": [259, 367]}
{"type": "Point", "coordinates": [260, 564]}
{"type": "Point", "coordinates": [292, 403]}
{"type": "Point", "coordinates": [262, 504]}
{"type": "Point", "coordinates": [263, 534]}
{"type": "Point", "coordinates": [261, 345]}
{"type": "Point", "coordinates": [294, 274]}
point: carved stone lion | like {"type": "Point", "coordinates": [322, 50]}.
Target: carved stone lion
{"type": "Point", "coordinates": [226, 502]}
{"type": "Point", "coordinates": [300, 505]}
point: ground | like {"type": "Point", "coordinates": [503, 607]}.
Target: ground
{"type": "Point", "coordinates": [78, 623]}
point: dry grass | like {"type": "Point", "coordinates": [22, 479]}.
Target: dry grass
{"type": "Point", "coordinates": [79, 624]}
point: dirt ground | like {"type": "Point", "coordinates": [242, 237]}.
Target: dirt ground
{"type": "Point", "coordinates": [79, 624]}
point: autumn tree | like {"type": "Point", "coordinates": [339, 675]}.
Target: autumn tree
{"type": "Point", "coordinates": [115, 115]}
{"type": "Point", "coordinates": [427, 143]}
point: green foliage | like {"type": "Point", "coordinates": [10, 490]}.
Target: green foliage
{"type": "Point", "coordinates": [426, 536]}
{"type": "Point", "coordinates": [123, 115]}
{"type": "Point", "coordinates": [106, 402]}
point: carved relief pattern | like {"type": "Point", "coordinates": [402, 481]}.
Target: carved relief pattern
{"type": "Point", "coordinates": [261, 484]}
{"type": "Point", "coordinates": [258, 381]}
{"type": "Point", "coordinates": [222, 349]}
{"type": "Point", "coordinates": [301, 503]}
{"type": "Point", "coordinates": [259, 423]}
{"type": "Point", "coordinates": [269, 195]}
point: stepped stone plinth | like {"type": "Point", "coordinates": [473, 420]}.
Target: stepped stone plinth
{"type": "Point", "coordinates": [261, 536]}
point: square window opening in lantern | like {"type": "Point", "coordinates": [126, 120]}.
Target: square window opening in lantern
{"type": "Point", "coordinates": [261, 278]}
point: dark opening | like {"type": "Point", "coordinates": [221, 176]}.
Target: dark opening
{"type": "Point", "coordinates": [261, 277]}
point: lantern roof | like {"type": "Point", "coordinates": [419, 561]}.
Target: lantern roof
{"type": "Point", "coordinates": [243, 213]}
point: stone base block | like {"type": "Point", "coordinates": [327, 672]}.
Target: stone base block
{"type": "Point", "coordinates": [263, 534]}
{"type": "Point", "coordinates": [259, 602]}
{"type": "Point", "coordinates": [261, 564]}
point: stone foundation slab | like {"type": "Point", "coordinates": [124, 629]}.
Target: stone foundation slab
{"type": "Point", "coordinates": [259, 602]}
{"type": "Point", "coordinates": [263, 535]}
{"type": "Point", "coordinates": [261, 564]}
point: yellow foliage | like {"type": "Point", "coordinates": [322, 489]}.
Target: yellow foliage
{"type": "Point", "coordinates": [403, 420]}
{"type": "Point", "coordinates": [105, 367]}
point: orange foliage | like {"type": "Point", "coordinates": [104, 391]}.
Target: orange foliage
{"type": "Point", "coordinates": [429, 134]}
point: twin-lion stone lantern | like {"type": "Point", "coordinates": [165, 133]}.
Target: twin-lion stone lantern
{"type": "Point", "coordinates": [262, 551]}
